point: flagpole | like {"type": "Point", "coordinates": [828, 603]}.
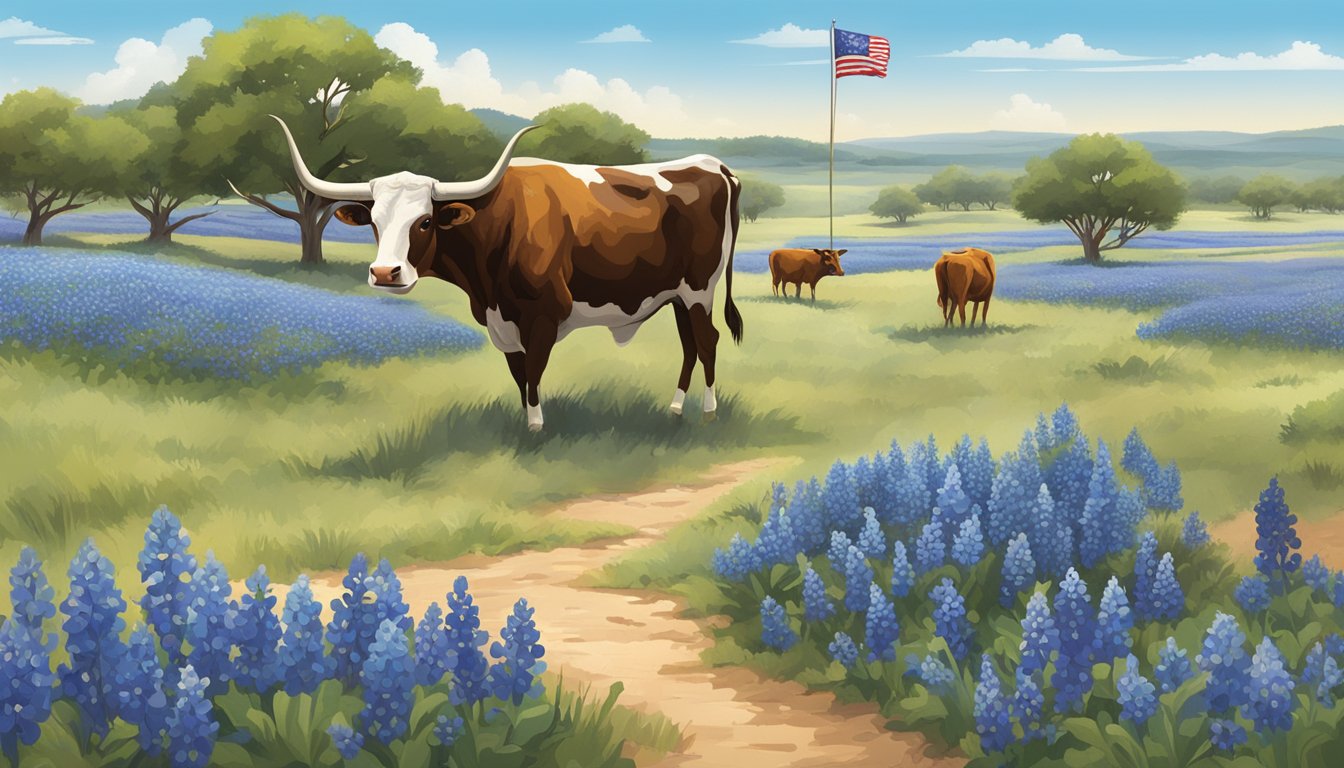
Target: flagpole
{"type": "Point", "coordinates": [830, 192]}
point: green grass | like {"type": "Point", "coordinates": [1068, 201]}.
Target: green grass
{"type": "Point", "coordinates": [1136, 369]}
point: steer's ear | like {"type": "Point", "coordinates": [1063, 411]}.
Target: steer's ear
{"type": "Point", "coordinates": [819, 251]}
{"type": "Point", "coordinates": [842, 252]}
{"type": "Point", "coordinates": [354, 214]}
{"type": "Point", "coordinates": [454, 215]}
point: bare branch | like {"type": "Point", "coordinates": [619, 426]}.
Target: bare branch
{"type": "Point", "coordinates": [264, 203]}
{"type": "Point", "coordinates": [173, 227]}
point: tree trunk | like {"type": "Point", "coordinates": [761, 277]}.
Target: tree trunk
{"type": "Point", "coordinates": [311, 225]}
{"type": "Point", "coordinates": [32, 235]}
{"type": "Point", "coordinates": [1092, 250]}
{"type": "Point", "coordinates": [159, 232]}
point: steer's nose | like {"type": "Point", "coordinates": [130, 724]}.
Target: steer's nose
{"type": "Point", "coordinates": [385, 274]}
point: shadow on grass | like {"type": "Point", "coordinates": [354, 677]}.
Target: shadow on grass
{"type": "Point", "coordinates": [822, 304]}
{"type": "Point", "coordinates": [620, 420]}
{"type": "Point", "coordinates": [939, 333]}
{"type": "Point", "coordinates": [1137, 369]}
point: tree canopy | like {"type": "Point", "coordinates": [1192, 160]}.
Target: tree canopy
{"type": "Point", "coordinates": [580, 133]}
{"type": "Point", "coordinates": [758, 196]}
{"type": "Point", "coordinates": [1218, 190]}
{"type": "Point", "coordinates": [1266, 192]}
{"type": "Point", "coordinates": [896, 203]}
{"type": "Point", "coordinates": [1100, 186]}
{"type": "Point", "coordinates": [954, 185]}
{"type": "Point", "coordinates": [159, 179]}
{"type": "Point", "coordinates": [1324, 194]}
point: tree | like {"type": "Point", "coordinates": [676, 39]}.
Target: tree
{"type": "Point", "coordinates": [58, 160]}
{"type": "Point", "coordinates": [1219, 191]}
{"type": "Point", "coordinates": [952, 185]}
{"type": "Point", "coordinates": [1099, 186]}
{"type": "Point", "coordinates": [310, 72]}
{"type": "Point", "coordinates": [159, 179]}
{"type": "Point", "coordinates": [993, 189]}
{"type": "Point", "coordinates": [1265, 192]}
{"type": "Point", "coordinates": [580, 133]}
{"type": "Point", "coordinates": [1323, 194]}
{"type": "Point", "coordinates": [758, 196]}
{"type": "Point", "coordinates": [896, 203]}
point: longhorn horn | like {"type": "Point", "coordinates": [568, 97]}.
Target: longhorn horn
{"type": "Point", "coordinates": [465, 190]}
{"type": "Point", "coordinates": [328, 189]}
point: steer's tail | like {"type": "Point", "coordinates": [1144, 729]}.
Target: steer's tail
{"type": "Point", "coordinates": [730, 313]}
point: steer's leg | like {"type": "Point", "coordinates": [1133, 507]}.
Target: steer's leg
{"type": "Point", "coordinates": [706, 343]}
{"type": "Point", "coordinates": [687, 334]}
{"type": "Point", "coordinates": [516, 367]}
{"type": "Point", "coordinates": [537, 350]}
{"type": "Point", "coordinates": [984, 314]}
{"type": "Point", "coordinates": [975, 307]}
{"type": "Point", "coordinates": [798, 290]}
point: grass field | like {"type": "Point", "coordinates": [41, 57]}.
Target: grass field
{"type": "Point", "coordinates": [425, 459]}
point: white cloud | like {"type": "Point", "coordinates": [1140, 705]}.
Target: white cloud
{"type": "Point", "coordinates": [1024, 114]}
{"type": "Point", "coordinates": [468, 81]}
{"type": "Point", "coordinates": [1066, 47]}
{"type": "Point", "coordinates": [141, 64]}
{"type": "Point", "coordinates": [62, 40]}
{"type": "Point", "coordinates": [1299, 56]}
{"type": "Point", "coordinates": [626, 33]}
{"type": "Point", "coordinates": [27, 33]}
{"type": "Point", "coordinates": [791, 36]}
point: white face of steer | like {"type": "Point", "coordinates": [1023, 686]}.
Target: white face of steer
{"type": "Point", "coordinates": [401, 204]}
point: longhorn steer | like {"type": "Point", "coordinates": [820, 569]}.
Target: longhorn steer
{"type": "Point", "coordinates": [543, 248]}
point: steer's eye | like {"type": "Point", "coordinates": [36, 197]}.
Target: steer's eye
{"type": "Point", "coordinates": [424, 224]}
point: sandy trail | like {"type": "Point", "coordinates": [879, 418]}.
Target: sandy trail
{"type": "Point", "coordinates": [731, 716]}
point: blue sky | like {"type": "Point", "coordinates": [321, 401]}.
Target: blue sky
{"type": "Point", "coordinates": [681, 69]}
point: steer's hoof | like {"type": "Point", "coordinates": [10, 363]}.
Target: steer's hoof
{"type": "Point", "coordinates": [533, 428]}
{"type": "Point", "coordinates": [709, 416]}
{"type": "Point", "coordinates": [675, 411]}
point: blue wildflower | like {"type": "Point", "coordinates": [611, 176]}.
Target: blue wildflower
{"type": "Point", "coordinates": [1226, 734]}
{"type": "Point", "coordinates": [1051, 535]}
{"type": "Point", "coordinates": [839, 550]}
{"type": "Point", "coordinates": [857, 578]}
{"type": "Point", "coordinates": [949, 618]}
{"type": "Point", "coordinates": [775, 630]}
{"type": "Point", "coordinates": [517, 674]}
{"type": "Point", "coordinates": [31, 596]}
{"type": "Point", "coordinates": [1321, 674]}
{"type": "Point", "coordinates": [935, 675]}
{"type": "Point", "coordinates": [1270, 701]}
{"type": "Point", "coordinates": [841, 500]}
{"type": "Point", "coordinates": [447, 730]}
{"type": "Point", "coordinates": [303, 663]}
{"type": "Point", "coordinates": [843, 650]}
{"type": "Point", "coordinates": [347, 741]}
{"type": "Point", "coordinates": [388, 682]}
{"type": "Point", "coordinates": [191, 729]}
{"type": "Point", "coordinates": [212, 626]}
{"type": "Point", "coordinates": [93, 628]}
{"type": "Point", "coordinates": [872, 542]}
{"type": "Point", "coordinates": [1064, 424]}
{"type": "Point", "coordinates": [740, 560]}
{"type": "Point", "coordinates": [1114, 621]}
{"type": "Point", "coordinates": [259, 632]}
{"type": "Point", "coordinates": [1137, 696]}
{"type": "Point", "coordinates": [1040, 638]}
{"type": "Point", "coordinates": [141, 699]}
{"type": "Point", "coordinates": [433, 657]}
{"type": "Point", "coordinates": [881, 630]}
{"type": "Point", "coordinates": [953, 501]}
{"type": "Point", "coordinates": [25, 686]}
{"type": "Point", "coordinates": [1194, 534]}
{"type": "Point", "coordinates": [1076, 621]}
{"type": "Point", "coordinates": [1137, 459]}
{"type": "Point", "coordinates": [816, 605]}
{"type": "Point", "coordinates": [991, 711]}
{"type": "Point", "coordinates": [165, 565]}
{"type": "Point", "coordinates": [1145, 573]}
{"type": "Point", "coordinates": [1104, 526]}
{"type": "Point", "coordinates": [1014, 493]}
{"type": "Point", "coordinates": [388, 605]}
{"type": "Point", "coordinates": [1252, 594]}
{"type": "Point", "coordinates": [1029, 706]}
{"type": "Point", "coordinates": [867, 482]}
{"type": "Point", "coordinates": [465, 639]}
{"type": "Point", "coordinates": [930, 551]}
{"type": "Point", "coordinates": [1019, 570]}
{"type": "Point", "coordinates": [902, 573]}
{"type": "Point", "coordinates": [1339, 589]}
{"type": "Point", "coordinates": [776, 543]}
{"type": "Point", "coordinates": [976, 467]}
{"type": "Point", "coordinates": [1168, 600]}
{"type": "Point", "coordinates": [1163, 490]}
{"type": "Point", "coordinates": [1223, 656]}
{"type": "Point", "coordinates": [909, 492]}
{"type": "Point", "coordinates": [1316, 575]}
{"type": "Point", "coordinates": [351, 629]}
{"type": "Point", "coordinates": [969, 546]}
{"type": "Point", "coordinates": [1278, 539]}
{"type": "Point", "coordinates": [1045, 437]}
{"type": "Point", "coordinates": [926, 467]}
{"type": "Point", "coordinates": [1173, 667]}
{"type": "Point", "coordinates": [1069, 476]}
{"type": "Point", "coordinates": [779, 496]}
{"type": "Point", "coordinates": [808, 517]}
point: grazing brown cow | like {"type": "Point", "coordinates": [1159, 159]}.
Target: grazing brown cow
{"type": "Point", "coordinates": [803, 265]}
{"type": "Point", "coordinates": [965, 275]}
{"type": "Point", "coordinates": [542, 249]}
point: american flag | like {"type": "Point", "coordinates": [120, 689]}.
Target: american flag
{"type": "Point", "coordinates": [857, 54]}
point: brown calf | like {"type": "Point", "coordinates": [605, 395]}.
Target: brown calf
{"type": "Point", "coordinates": [965, 275]}
{"type": "Point", "coordinates": [803, 265]}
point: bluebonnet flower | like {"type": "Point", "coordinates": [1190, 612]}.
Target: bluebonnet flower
{"type": "Point", "coordinates": [212, 626]}
{"type": "Point", "coordinates": [1316, 575]}
{"type": "Point", "coordinates": [258, 664]}
{"type": "Point", "coordinates": [1137, 696]}
{"type": "Point", "coordinates": [977, 470]}
{"type": "Point", "coordinates": [31, 596]}
{"type": "Point", "coordinates": [1064, 424]}
{"type": "Point", "coordinates": [1163, 490]}
{"type": "Point", "coordinates": [351, 629]}
{"type": "Point", "coordinates": [448, 729]}
{"type": "Point", "coordinates": [932, 672]}
{"type": "Point", "coordinates": [1019, 570]}
{"type": "Point", "coordinates": [872, 542]}
{"type": "Point", "coordinates": [1040, 638]}
{"type": "Point", "coordinates": [164, 566]}
{"type": "Point", "coordinates": [969, 546]}
{"type": "Point", "coordinates": [1014, 493]}
{"type": "Point", "coordinates": [1173, 667]}
{"type": "Point", "coordinates": [1069, 476]}
{"type": "Point", "coordinates": [1114, 621]}
{"type": "Point", "coordinates": [857, 578]}
{"type": "Point", "coordinates": [779, 496]}
{"type": "Point", "coordinates": [433, 657]}
{"type": "Point", "coordinates": [1076, 621]}
{"type": "Point", "coordinates": [1145, 574]}
{"type": "Point", "coordinates": [881, 630]}
{"type": "Point", "coordinates": [841, 501]}
{"type": "Point", "coordinates": [740, 560]}
{"type": "Point", "coordinates": [776, 543]}
{"type": "Point", "coordinates": [347, 741]}
{"type": "Point", "coordinates": [1270, 701]}
{"type": "Point", "coordinates": [93, 628]}
{"type": "Point", "coordinates": [952, 501]}
{"type": "Point", "coordinates": [25, 686]}
{"type": "Point", "coordinates": [388, 682]}
{"type": "Point", "coordinates": [1226, 734]}
{"type": "Point", "coordinates": [141, 699]}
{"type": "Point", "coordinates": [840, 544]}
{"type": "Point", "coordinates": [867, 481]}
{"type": "Point", "coordinates": [465, 639]}
{"type": "Point", "coordinates": [910, 494]}
{"type": "Point", "coordinates": [925, 465]}
{"type": "Point", "coordinates": [816, 605]}
{"type": "Point", "coordinates": [1051, 535]}
{"type": "Point", "coordinates": [930, 551]}
{"type": "Point", "coordinates": [808, 517]}
{"type": "Point", "coordinates": [902, 573]}
{"type": "Point", "coordinates": [1168, 600]}
{"type": "Point", "coordinates": [1252, 594]}
{"type": "Point", "coordinates": [775, 630]}
{"type": "Point", "coordinates": [303, 662]}
{"type": "Point", "coordinates": [1339, 589]}
{"type": "Point", "coordinates": [191, 729]}
{"type": "Point", "coordinates": [1137, 459]}
{"type": "Point", "coordinates": [517, 674]}
{"type": "Point", "coordinates": [991, 711]}
{"type": "Point", "coordinates": [843, 650]}
{"type": "Point", "coordinates": [1029, 706]}
{"type": "Point", "coordinates": [1223, 656]}
{"type": "Point", "coordinates": [388, 605]}
{"type": "Point", "coordinates": [1194, 534]}
{"type": "Point", "coordinates": [1104, 527]}
{"type": "Point", "coordinates": [949, 618]}
{"type": "Point", "coordinates": [1130, 512]}
{"type": "Point", "coordinates": [1321, 674]}
{"type": "Point", "coordinates": [1277, 535]}
{"type": "Point", "coordinates": [1045, 437]}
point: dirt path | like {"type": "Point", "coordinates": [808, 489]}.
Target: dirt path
{"type": "Point", "coordinates": [731, 716]}
{"type": "Point", "coordinates": [1323, 536]}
